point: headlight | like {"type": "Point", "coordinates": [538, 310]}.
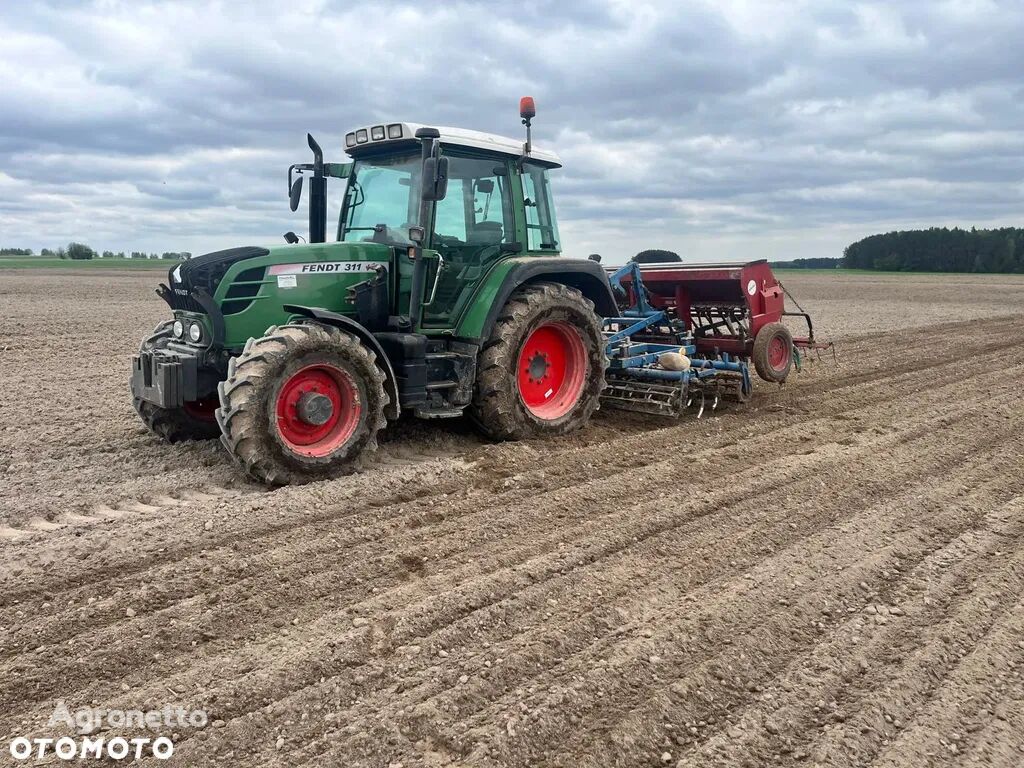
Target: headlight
{"type": "Point", "coordinates": [377, 132]}
{"type": "Point", "coordinates": [361, 136]}
{"type": "Point", "coordinates": [395, 131]}
{"type": "Point", "coordinates": [195, 332]}
{"type": "Point", "coordinates": [178, 329]}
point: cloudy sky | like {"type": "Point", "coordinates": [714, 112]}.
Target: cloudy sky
{"type": "Point", "coordinates": [721, 129]}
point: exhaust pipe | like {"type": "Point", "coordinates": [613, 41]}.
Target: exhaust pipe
{"type": "Point", "coordinates": [317, 195]}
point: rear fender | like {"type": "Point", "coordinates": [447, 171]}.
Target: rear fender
{"type": "Point", "coordinates": [588, 277]}
{"type": "Point", "coordinates": [363, 334]}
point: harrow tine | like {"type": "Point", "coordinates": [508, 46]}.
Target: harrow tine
{"type": "Point", "coordinates": [700, 407]}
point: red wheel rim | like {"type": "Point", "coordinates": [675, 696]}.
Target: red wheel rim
{"type": "Point", "coordinates": [552, 370]}
{"type": "Point", "coordinates": [778, 353]}
{"type": "Point", "coordinates": [203, 409]}
{"type": "Point", "coordinates": [302, 434]}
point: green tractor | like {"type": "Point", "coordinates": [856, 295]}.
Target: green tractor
{"type": "Point", "coordinates": [442, 293]}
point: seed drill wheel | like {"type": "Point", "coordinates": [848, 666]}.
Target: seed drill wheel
{"type": "Point", "coordinates": [773, 352]}
{"type": "Point", "coordinates": [194, 421]}
{"type": "Point", "coordinates": [542, 370]}
{"type": "Point", "coordinates": [301, 403]}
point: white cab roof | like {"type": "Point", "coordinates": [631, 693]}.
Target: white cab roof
{"type": "Point", "coordinates": [456, 137]}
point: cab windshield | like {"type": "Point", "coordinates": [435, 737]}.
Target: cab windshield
{"type": "Point", "coordinates": [381, 192]}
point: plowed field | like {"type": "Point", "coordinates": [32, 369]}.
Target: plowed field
{"type": "Point", "coordinates": [832, 574]}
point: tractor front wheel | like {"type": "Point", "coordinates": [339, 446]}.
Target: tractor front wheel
{"type": "Point", "coordinates": [542, 370]}
{"type": "Point", "coordinates": [301, 403]}
{"type": "Point", "coordinates": [773, 352]}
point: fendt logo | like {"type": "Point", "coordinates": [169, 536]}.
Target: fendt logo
{"type": "Point", "coordinates": [327, 267]}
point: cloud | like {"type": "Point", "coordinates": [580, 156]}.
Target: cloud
{"type": "Point", "coordinates": [728, 129]}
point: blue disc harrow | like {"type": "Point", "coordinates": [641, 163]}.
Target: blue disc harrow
{"type": "Point", "coordinates": [637, 343]}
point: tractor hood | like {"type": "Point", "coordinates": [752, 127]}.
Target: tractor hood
{"type": "Point", "coordinates": [243, 291]}
{"type": "Point", "coordinates": [205, 272]}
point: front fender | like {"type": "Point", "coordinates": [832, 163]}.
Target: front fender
{"type": "Point", "coordinates": [363, 334]}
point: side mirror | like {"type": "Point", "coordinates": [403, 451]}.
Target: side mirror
{"type": "Point", "coordinates": [435, 178]}
{"type": "Point", "coordinates": [295, 193]}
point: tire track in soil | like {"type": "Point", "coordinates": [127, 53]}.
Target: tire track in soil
{"type": "Point", "coordinates": [632, 699]}
{"type": "Point", "coordinates": [942, 731]}
{"type": "Point", "coordinates": [986, 668]}
{"type": "Point", "coordinates": [996, 732]}
{"type": "Point", "coordinates": [108, 663]}
{"type": "Point", "coordinates": [140, 506]}
{"type": "Point", "coordinates": [372, 702]}
{"type": "Point", "coordinates": [858, 680]}
{"type": "Point", "coordinates": [415, 432]}
{"type": "Point", "coordinates": [308, 554]}
{"type": "Point", "coordinates": [490, 581]}
{"type": "Point", "coordinates": [612, 466]}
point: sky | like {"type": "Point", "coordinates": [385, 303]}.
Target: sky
{"type": "Point", "coordinates": [722, 130]}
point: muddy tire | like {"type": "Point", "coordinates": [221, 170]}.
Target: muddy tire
{"type": "Point", "coordinates": [194, 421]}
{"type": "Point", "coordinates": [542, 370]}
{"type": "Point", "coordinates": [773, 352]}
{"type": "Point", "coordinates": [301, 403]}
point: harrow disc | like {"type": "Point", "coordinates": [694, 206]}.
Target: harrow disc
{"type": "Point", "coordinates": [631, 394]}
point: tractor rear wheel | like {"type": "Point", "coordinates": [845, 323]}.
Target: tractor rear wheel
{"type": "Point", "coordinates": [193, 421]}
{"type": "Point", "coordinates": [301, 403]}
{"type": "Point", "coordinates": [773, 352]}
{"type": "Point", "coordinates": [542, 370]}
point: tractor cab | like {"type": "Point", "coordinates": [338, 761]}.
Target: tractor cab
{"type": "Point", "coordinates": [496, 194]}
{"type": "Point", "coordinates": [495, 202]}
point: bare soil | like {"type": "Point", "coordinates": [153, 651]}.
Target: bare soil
{"type": "Point", "coordinates": [831, 575]}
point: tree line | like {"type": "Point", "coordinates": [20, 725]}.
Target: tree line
{"type": "Point", "coordinates": [939, 249]}
{"type": "Point", "coordinates": [825, 262]}
{"type": "Point", "coordinates": [81, 251]}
